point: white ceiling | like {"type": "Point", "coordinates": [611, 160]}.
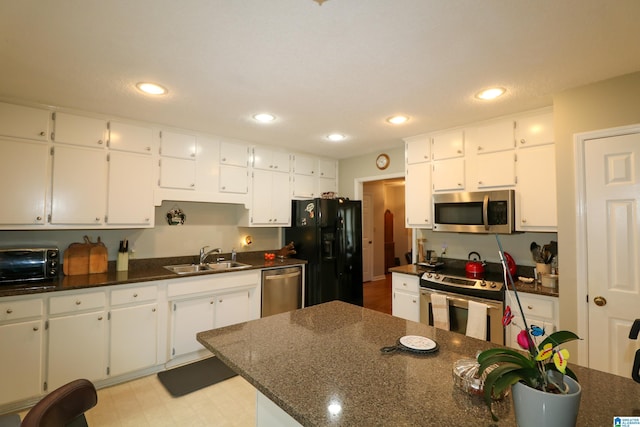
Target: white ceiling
{"type": "Point", "coordinates": [343, 66]}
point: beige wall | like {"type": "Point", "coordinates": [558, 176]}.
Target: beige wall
{"type": "Point", "coordinates": [606, 104]}
{"type": "Point", "coordinates": [365, 167]}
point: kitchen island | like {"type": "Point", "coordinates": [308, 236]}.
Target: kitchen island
{"type": "Point", "coordinates": [322, 366]}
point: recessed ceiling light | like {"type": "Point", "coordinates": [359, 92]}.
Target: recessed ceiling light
{"type": "Point", "coordinates": [151, 88]}
{"type": "Point", "coordinates": [491, 93]}
{"type": "Point", "coordinates": [335, 137]}
{"type": "Point", "coordinates": [264, 117]}
{"type": "Point", "coordinates": [398, 120]}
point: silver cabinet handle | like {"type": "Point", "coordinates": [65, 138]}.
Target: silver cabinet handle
{"type": "Point", "coordinates": [100, 318]}
{"type": "Point", "coordinates": [78, 302]}
{"type": "Point", "coordinates": [9, 311]}
{"type": "Point", "coordinates": [100, 142]}
{"type": "Point", "coordinates": [135, 295]}
{"type": "Point", "coordinates": [35, 328]}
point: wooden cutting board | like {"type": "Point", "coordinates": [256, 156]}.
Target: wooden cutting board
{"type": "Point", "coordinates": [98, 258]}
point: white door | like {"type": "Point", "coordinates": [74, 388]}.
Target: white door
{"type": "Point", "coordinates": [367, 238]}
{"type": "Point", "coordinates": [612, 166]}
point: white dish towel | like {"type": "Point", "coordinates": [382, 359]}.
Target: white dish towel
{"type": "Point", "coordinates": [477, 320]}
{"type": "Point", "coordinates": [440, 307]}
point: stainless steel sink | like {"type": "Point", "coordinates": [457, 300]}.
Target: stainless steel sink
{"type": "Point", "coordinates": [187, 268]}
{"type": "Point", "coordinates": [227, 265]}
{"type": "Point", "coordinates": [212, 266]}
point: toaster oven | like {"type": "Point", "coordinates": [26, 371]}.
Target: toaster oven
{"type": "Point", "coordinates": [29, 264]}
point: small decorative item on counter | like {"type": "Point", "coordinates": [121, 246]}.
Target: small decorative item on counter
{"type": "Point", "coordinates": [467, 378]}
{"type": "Point", "coordinates": [269, 256]}
{"type": "Point", "coordinates": [287, 250]}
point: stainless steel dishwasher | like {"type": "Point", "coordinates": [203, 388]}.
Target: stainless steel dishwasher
{"type": "Point", "coordinates": [281, 290]}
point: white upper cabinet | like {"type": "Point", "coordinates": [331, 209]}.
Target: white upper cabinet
{"type": "Point", "coordinates": [26, 163]}
{"type": "Point", "coordinates": [234, 154]}
{"type": "Point", "coordinates": [536, 198]}
{"type": "Point", "coordinates": [447, 145]}
{"type": "Point", "coordinates": [273, 160]}
{"type": "Point", "coordinates": [491, 137]}
{"type": "Point", "coordinates": [79, 186]}
{"type": "Point", "coordinates": [128, 137]}
{"type": "Point", "coordinates": [80, 130]}
{"type": "Point", "coordinates": [536, 129]}
{"type": "Point", "coordinates": [233, 179]}
{"type": "Point", "coordinates": [305, 165]}
{"type": "Point", "coordinates": [177, 173]}
{"type": "Point", "coordinates": [24, 122]}
{"type": "Point", "coordinates": [271, 203]}
{"type": "Point", "coordinates": [418, 149]}
{"type": "Point", "coordinates": [130, 189]}
{"type": "Point", "coordinates": [418, 195]}
{"type": "Point", "coordinates": [496, 169]}
{"type": "Point", "coordinates": [327, 168]}
{"type": "Point", "coordinates": [448, 175]}
{"type": "Point", "coordinates": [178, 145]}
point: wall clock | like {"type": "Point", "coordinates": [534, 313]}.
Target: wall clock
{"type": "Point", "coordinates": [382, 161]}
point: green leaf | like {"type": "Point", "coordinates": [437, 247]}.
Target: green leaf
{"type": "Point", "coordinates": [505, 370]}
{"type": "Point", "coordinates": [503, 355]}
{"type": "Point", "coordinates": [557, 338]}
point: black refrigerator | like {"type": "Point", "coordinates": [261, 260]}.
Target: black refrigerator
{"type": "Point", "coordinates": [328, 234]}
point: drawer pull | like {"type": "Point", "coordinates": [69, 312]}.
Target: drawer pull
{"type": "Point", "coordinates": [530, 307]}
{"type": "Point", "coordinates": [35, 329]}
{"type": "Point", "coordinates": [78, 302]}
{"type": "Point", "coordinates": [100, 318]}
{"type": "Point", "coordinates": [135, 295]}
{"type": "Point", "coordinates": [153, 310]}
{"type": "Point", "coordinates": [9, 311]}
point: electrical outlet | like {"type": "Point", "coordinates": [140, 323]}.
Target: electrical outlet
{"type": "Point", "coordinates": [444, 248]}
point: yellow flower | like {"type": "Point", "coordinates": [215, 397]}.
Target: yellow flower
{"type": "Point", "coordinates": [560, 359]}
{"type": "Point", "coordinates": [545, 353]}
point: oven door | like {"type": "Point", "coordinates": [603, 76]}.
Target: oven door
{"type": "Point", "coordinates": [459, 310]}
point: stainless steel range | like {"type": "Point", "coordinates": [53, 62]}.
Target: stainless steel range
{"type": "Point", "coordinates": [459, 290]}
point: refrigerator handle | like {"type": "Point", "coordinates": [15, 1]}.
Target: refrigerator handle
{"type": "Point", "coordinates": [341, 247]}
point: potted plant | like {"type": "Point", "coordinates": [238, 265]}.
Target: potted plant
{"type": "Point", "coordinates": [545, 391]}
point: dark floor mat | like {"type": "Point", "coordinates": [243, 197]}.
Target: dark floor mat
{"type": "Point", "coordinates": [194, 376]}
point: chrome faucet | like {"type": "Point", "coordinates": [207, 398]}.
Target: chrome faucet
{"type": "Point", "coordinates": [204, 255]}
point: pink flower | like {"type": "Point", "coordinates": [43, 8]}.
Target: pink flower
{"type": "Point", "coordinates": [523, 339]}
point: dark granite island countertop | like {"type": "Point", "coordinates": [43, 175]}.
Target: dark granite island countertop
{"type": "Point", "coordinates": [328, 356]}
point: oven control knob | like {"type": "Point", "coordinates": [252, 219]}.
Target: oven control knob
{"type": "Point", "coordinates": [428, 275]}
{"type": "Point", "coordinates": [436, 276]}
{"type": "Point", "coordinates": [483, 283]}
{"type": "Point", "coordinates": [493, 284]}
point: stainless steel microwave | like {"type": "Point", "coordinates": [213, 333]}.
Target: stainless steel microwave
{"type": "Point", "coordinates": [28, 264]}
{"type": "Point", "coordinates": [475, 212]}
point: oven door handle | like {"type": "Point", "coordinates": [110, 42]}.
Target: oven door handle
{"type": "Point", "coordinates": [463, 301]}
{"type": "Point", "coordinates": [485, 212]}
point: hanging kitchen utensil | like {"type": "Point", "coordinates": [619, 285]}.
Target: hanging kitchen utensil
{"type": "Point", "coordinates": [475, 267]}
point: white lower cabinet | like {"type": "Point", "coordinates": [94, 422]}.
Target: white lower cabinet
{"type": "Point", "coordinates": [133, 329]}
{"type": "Point", "coordinates": [539, 310]}
{"type": "Point", "coordinates": [188, 318]}
{"type": "Point", "coordinates": [405, 301]}
{"type": "Point", "coordinates": [22, 355]}
{"type": "Point", "coordinates": [232, 308]}
{"type": "Point", "coordinates": [77, 347]}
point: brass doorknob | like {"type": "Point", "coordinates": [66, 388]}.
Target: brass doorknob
{"type": "Point", "coordinates": [600, 301]}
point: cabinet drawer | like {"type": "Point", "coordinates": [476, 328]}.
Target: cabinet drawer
{"type": "Point", "coordinates": [14, 310]}
{"type": "Point", "coordinates": [405, 282]}
{"type": "Point", "coordinates": [538, 307]}
{"type": "Point", "coordinates": [77, 302]}
{"type": "Point", "coordinates": [137, 294]}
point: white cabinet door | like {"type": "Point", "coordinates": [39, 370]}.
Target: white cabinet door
{"type": "Point", "coordinates": [79, 188]}
{"type": "Point", "coordinates": [417, 192]}
{"type": "Point", "coordinates": [496, 169]}
{"type": "Point", "coordinates": [128, 137]}
{"type": "Point", "coordinates": [418, 149]}
{"type": "Point", "coordinates": [80, 130]}
{"type": "Point", "coordinates": [304, 187]}
{"type": "Point", "coordinates": [190, 317]}
{"type": "Point", "coordinates": [491, 137]}
{"type": "Point", "coordinates": [304, 165]}
{"type": "Point", "coordinates": [24, 122]}
{"type": "Point", "coordinates": [271, 204]}
{"type": "Point", "coordinates": [536, 202]}
{"type": "Point", "coordinates": [327, 168]}
{"type": "Point", "coordinates": [234, 154]}
{"type": "Point", "coordinates": [130, 191]}
{"type": "Point", "coordinates": [177, 173]}
{"type": "Point", "coordinates": [77, 348]}
{"type": "Point", "coordinates": [273, 160]}
{"type": "Point", "coordinates": [25, 163]}
{"type": "Point", "coordinates": [534, 130]}
{"type": "Point", "coordinates": [178, 145]}
{"type": "Point", "coordinates": [448, 175]}
{"type": "Point", "coordinates": [134, 338]}
{"type": "Point", "coordinates": [447, 145]}
{"type": "Point", "coordinates": [233, 179]}
{"type": "Point", "coordinates": [406, 306]}
{"type": "Point", "coordinates": [21, 361]}
{"type": "Point", "coordinates": [231, 308]}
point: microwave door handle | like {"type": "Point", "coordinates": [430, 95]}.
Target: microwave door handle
{"type": "Point", "coordinates": [485, 212]}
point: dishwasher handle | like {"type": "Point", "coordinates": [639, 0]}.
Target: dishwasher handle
{"type": "Point", "coordinates": [282, 276]}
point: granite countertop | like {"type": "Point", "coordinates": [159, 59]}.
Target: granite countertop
{"type": "Point", "coordinates": [307, 359]}
{"type": "Point", "coordinates": [143, 270]}
{"type": "Point", "coordinates": [531, 288]}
